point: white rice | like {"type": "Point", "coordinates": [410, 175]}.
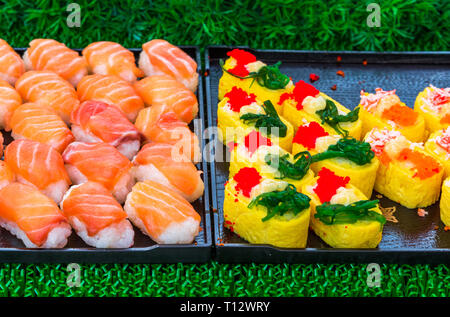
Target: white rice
{"type": "Point", "coordinates": [54, 191]}
{"type": "Point", "coordinates": [117, 235]}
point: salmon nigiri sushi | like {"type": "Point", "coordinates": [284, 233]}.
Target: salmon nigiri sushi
{"type": "Point", "coordinates": [47, 54]}
{"type": "Point", "coordinates": [97, 217]}
{"type": "Point", "coordinates": [163, 93]}
{"type": "Point", "coordinates": [162, 214]}
{"type": "Point", "coordinates": [6, 175]}
{"type": "Point", "coordinates": [155, 161]}
{"type": "Point", "coordinates": [32, 217]}
{"type": "Point", "coordinates": [38, 123]}
{"type": "Point", "coordinates": [109, 58]}
{"type": "Point", "coordinates": [96, 121]}
{"type": "Point", "coordinates": [167, 128]}
{"type": "Point", "coordinates": [11, 65]}
{"type": "Point", "coordinates": [50, 90]}
{"type": "Point", "coordinates": [159, 57]}
{"type": "Point", "coordinates": [9, 101]}
{"type": "Point", "coordinates": [111, 90]}
{"type": "Point", "coordinates": [101, 163]}
{"type": "Point", "coordinates": [39, 165]}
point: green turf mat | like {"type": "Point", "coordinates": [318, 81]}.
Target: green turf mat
{"type": "Point", "coordinates": [215, 279]}
{"type": "Point", "coordinates": [283, 24]}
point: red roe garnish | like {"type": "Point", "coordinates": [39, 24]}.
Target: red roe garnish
{"type": "Point", "coordinates": [425, 165]}
{"type": "Point", "coordinates": [334, 87]}
{"type": "Point", "coordinates": [254, 140]}
{"type": "Point", "coordinates": [401, 115]}
{"type": "Point", "coordinates": [328, 184]}
{"type": "Point", "coordinates": [307, 134]}
{"type": "Point", "coordinates": [246, 179]}
{"type": "Point", "coordinates": [340, 73]}
{"type": "Point", "coordinates": [300, 92]}
{"type": "Point", "coordinates": [239, 98]}
{"type": "Point", "coordinates": [242, 59]}
{"type": "Point", "coordinates": [313, 77]}
{"type": "Point", "coordinates": [339, 59]}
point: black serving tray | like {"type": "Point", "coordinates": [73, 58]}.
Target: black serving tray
{"type": "Point", "coordinates": [144, 249]}
{"type": "Point", "coordinates": [413, 239]}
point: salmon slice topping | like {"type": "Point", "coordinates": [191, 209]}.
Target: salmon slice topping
{"type": "Point", "coordinates": [94, 206]}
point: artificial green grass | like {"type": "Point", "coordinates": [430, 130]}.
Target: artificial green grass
{"type": "Point", "coordinates": [224, 280]}
{"type": "Point", "coordinates": [287, 24]}
{"type": "Point", "coordinates": [283, 24]}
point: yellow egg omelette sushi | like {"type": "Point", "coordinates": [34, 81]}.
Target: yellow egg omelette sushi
{"type": "Point", "coordinates": [445, 202]}
{"type": "Point", "coordinates": [438, 146]}
{"type": "Point", "coordinates": [240, 112]}
{"type": "Point", "coordinates": [271, 161]}
{"type": "Point", "coordinates": [244, 71]}
{"type": "Point", "coordinates": [407, 174]}
{"type": "Point", "coordinates": [383, 109]}
{"type": "Point", "coordinates": [266, 211]}
{"type": "Point", "coordinates": [433, 104]}
{"type": "Point", "coordinates": [305, 103]}
{"type": "Point", "coordinates": [341, 215]}
{"type": "Point", "coordinates": [344, 156]}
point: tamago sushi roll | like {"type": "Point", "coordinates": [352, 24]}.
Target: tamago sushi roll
{"type": "Point", "coordinates": [239, 113]}
{"type": "Point", "coordinates": [434, 104]}
{"type": "Point", "coordinates": [271, 161]}
{"type": "Point", "coordinates": [243, 70]}
{"type": "Point", "coordinates": [305, 103]}
{"type": "Point", "coordinates": [445, 202]}
{"type": "Point", "coordinates": [438, 146]}
{"type": "Point", "coordinates": [266, 211]}
{"type": "Point", "coordinates": [383, 109]}
{"type": "Point", "coordinates": [341, 215]}
{"type": "Point", "coordinates": [344, 156]}
{"type": "Point", "coordinates": [407, 174]}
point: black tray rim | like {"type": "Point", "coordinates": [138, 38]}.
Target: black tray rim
{"type": "Point", "coordinates": [155, 254]}
{"type": "Point", "coordinates": [227, 253]}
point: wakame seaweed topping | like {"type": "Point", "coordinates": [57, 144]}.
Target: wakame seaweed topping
{"type": "Point", "coordinates": [281, 202]}
{"type": "Point", "coordinates": [331, 214]}
{"type": "Point", "coordinates": [331, 116]}
{"type": "Point", "coordinates": [268, 76]}
{"type": "Point", "coordinates": [356, 151]}
{"type": "Point", "coordinates": [269, 120]}
{"type": "Point", "coordinates": [286, 168]}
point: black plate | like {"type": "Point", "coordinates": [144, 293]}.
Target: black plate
{"type": "Point", "coordinates": [144, 249]}
{"type": "Point", "coordinates": [413, 238]}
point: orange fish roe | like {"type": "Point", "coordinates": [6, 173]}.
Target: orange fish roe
{"type": "Point", "coordinates": [422, 212]}
{"type": "Point", "coordinates": [446, 119]}
{"type": "Point", "coordinates": [425, 165]}
{"type": "Point", "coordinates": [401, 115]}
{"type": "Point", "coordinates": [328, 184]}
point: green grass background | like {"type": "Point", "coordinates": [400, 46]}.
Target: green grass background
{"type": "Point", "coordinates": [308, 25]}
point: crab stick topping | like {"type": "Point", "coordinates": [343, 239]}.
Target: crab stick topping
{"type": "Point", "coordinates": [238, 98]}
{"type": "Point", "coordinates": [443, 140]}
{"type": "Point", "coordinates": [246, 179]}
{"type": "Point", "coordinates": [328, 183]}
{"type": "Point", "coordinates": [425, 166]}
{"type": "Point", "coordinates": [379, 138]}
{"type": "Point", "coordinates": [403, 116]}
{"type": "Point", "coordinates": [370, 101]}
{"type": "Point", "coordinates": [308, 134]}
{"type": "Point", "coordinates": [437, 97]}
{"type": "Point", "coordinates": [242, 59]}
{"type": "Point", "coordinates": [300, 92]}
{"type": "Point", "coordinates": [254, 140]}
